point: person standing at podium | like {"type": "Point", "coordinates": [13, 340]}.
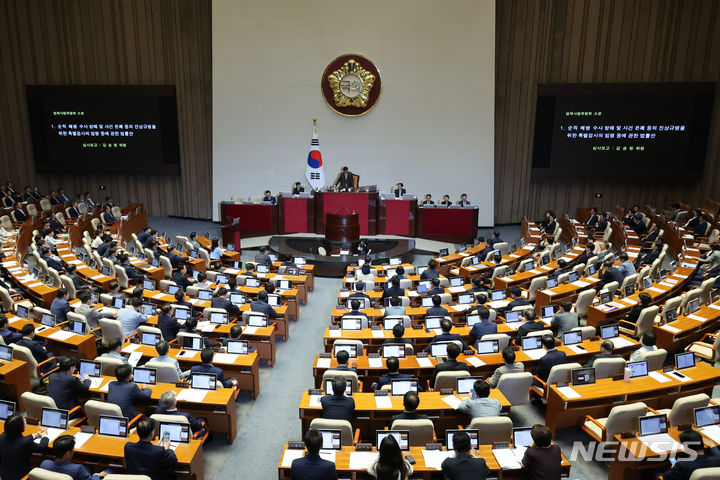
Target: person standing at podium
{"type": "Point", "coordinates": [345, 180]}
{"type": "Point", "coordinates": [399, 190]}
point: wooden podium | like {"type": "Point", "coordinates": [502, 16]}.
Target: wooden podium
{"type": "Point", "coordinates": [343, 228]}
{"type": "Point", "coordinates": [231, 234]}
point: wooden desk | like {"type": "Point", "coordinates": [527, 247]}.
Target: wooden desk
{"type": "Point", "coordinates": [256, 220]}
{"type": "Point", "coordinates": [308, 270]}
{"type": "Point", "coordinates": [14, 381]}
{"type": "Point", "coordinates": [597, 400]}
{"type": "Point", "coordinates": [397, 216]}
{"type": "Point", "coordinates": [675, 336]}
{"type": "Point", "coordinates": [39, 292]}
{"type": "Point", "coordinates": [90, 275]}
{"type": "Point", "coordinates": [76, 346]}
{"type": "Point", "coordinates": [447, 224]}
{"type": "Point", "coordinates": [244, 368]}
{"type": "Point", "coordinates": [369, 418]}
{"type": "Point", "coordinates": [362, 203]}
{"type": "Point", "coordinates": [342, 465]}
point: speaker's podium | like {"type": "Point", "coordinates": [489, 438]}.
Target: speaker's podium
{"type": "Point", "coordinates": [342, 227]}
{"type": "Point", "coordinates": [231, 234]}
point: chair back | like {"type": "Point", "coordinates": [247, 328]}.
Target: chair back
{"type": "Point", "coordinates": [24, 354]}
{"type": "Point", "coordinates": [646, 320]}
{"type": "Point", "coordinates": [358, 344]}
{"type": "Point", "coordinates": [516, 387]}
{"type": "Point", "coordinates": [38, 473]}
{"type": "Point", "coordinates": [493, 429]}
{"type": "Point", "coordinates": [682, 409]}
{"type": "Point", "coordinates": [346, 374]}
{"type": "Point", "coordinates": [561, 373]}
{"type": "Point", "coordinates": [540, 333]}
{"type": "Point", "coordinates": [108, 365]}
{"type": "Point", "coordinates": [710, 473]}
{"type": "Point", "coordinates": [111, 330]}
{"type": "Point", "coordinates": [6, 300]}
{"type": "Point", "coordinates": [205, 256]}
{"type": "Point", "coordinates": [345, 427]}
{"type": "Point", "coordinates": [449, 379]}
{"type": "Point", "coordinates": [695, 293]}
{"type": "Point", "coordinates": [655, 359]}
{"type": "Point", "coordinates": [502, 338]}
{"type": "Point", "coordinates": [167, 266]}
{"type": "Point", "coordinates": [607, 367]}
{"type": "Point", "coordinates": [624, 418]}
{"type": "Point", "coordinates": [68, 285]}
{"type": "Point", "coordinates": [34, 404]}
{"type": "Point", "coordinates": [611, 287]}
{"type": "Point", "coordinates": [148, 329]}
{"type": "Point", "coordinates": [503, 247]}
{"type": "Point", "coordinates": [122, 277]}
{"type": "Point", "coordinates": [422, 431]}
{"type": "Point", "coordinates": [161, 417]}
{"type": "Point", "coordinates": [94, 408]}
{"type": "Point", "coordinates": [77, 317]}
{"type": "Point", "coordinates": [629, 280]}
{"type": "Point", "coordinates": [706, 289]}
{"type": "Point", "coordinates": [535, 285]}
{"type": "Point", "coordinates": [587, 331]}
{"type": "Point", "coordinates": [672, 304]}
{"type": "Point", "coordinates": [166, 372]}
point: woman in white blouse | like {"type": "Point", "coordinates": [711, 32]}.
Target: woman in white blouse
{"type": "Point", "coordinates": [390, 464]}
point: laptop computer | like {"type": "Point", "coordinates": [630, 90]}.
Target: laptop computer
{"type": "Point", "coordinates": [7, 409]}
{"type": "Point", "coordinates": [90, 368]}
{"type": "Point", "coordinates": [350, 349]}
{"type": "Point", "coordinates": [498, 295]}
{"type": "Point", "coordinates": [457, 281]}
{"type": "Point", "coordinates": [548, 311]}
{"type": "Point", "coordinates": [706, 416]}
{"type": "Point", "coordinates": [466, 385]}
{"type": "Point", "coordinates": [255, 320]}
{"type": "Point", "coordinates": [174, 432]}
{"type": "Point", "coordinates": [638, 369]}
{"type": "Point", "coordinates": [472, 319]}
{"type": "Point", "coordinates": [487, 346]}
{"type": "Point", "coordinates": [684, 360]}
{"type": "Point", "coordinates": [531, 343]}
{"type": "Point", "coordinates": [432, 322]}
{"type": "Point", "coordinates": [111, 426]}
{"type": "Point", "coordinates": [78, 327]}
{"type": "Point", "coordinates": [427, 302]}
{"type": "Point", "coordinates": [465, 298]}
{"type": "Point", "coordinates": [474, 435]}
{"type": "Point", "coordinates": [203, 381]}
{"type": "Point", "coordinates": [149, 338]}
{"type": "Point", "coordinates": [521, 437]}
{"type": "Point", "coordinates": [145, 375]}
{"type": "Point", "coordinates": [583, 376]}
{"type": "Point", "coordinates": [237, 298]}
{"type": "Point", "coordinates": [402, 437]}
{"type": "Point", "coordinates": [572, 338]}
{"type": "Point", "coordinates": [193, 343]}
{"type": "Point", "coordinates": [182, 313]}
{"type": "Point", "coordinates": [551, 283]}
{"type": "Point", "coordinates": [219, 318]}
{"type": "Point", "coordinates": [351, 323]}
{"type": "Point", "coordinates": [609, 331]}
{"type": "Point", "coordinates": [332, 439]}
{"type": "Point", "coordinates": [390, 322]}
{"type": "Point", "coordinates": [439, 349]}
{"type": "Point", "coordinates": [511, 317]}
{"type": "Point", "coordinates": [239, 347]}
{"type": "Point", "coordinates": [653, 425]}
{"type": "Point", "coordinates": [149, 284]}
{"type": "Point", "coordinates": [396, 350]}
{"type": "Point", "coordinates": [400, 386]}
{"type": "Point", "coordinates": [205, 295]}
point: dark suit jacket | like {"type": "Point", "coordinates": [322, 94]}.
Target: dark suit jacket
{"type": "Point", "coordinates": [683, 469]}
{"type": "Point", "coordinates": [75, 470]}
{"type": "Point", "coordinates": [270, 199]}
{"type": "Point", "coordinates": [20, 216]}
{"type": "Point", "coordinates": [182, 280]}
{"type": "Point", "coordinates": [386, 379]}
{"type": "Point", "coordinates": [448, 365]}
{"type": "Point", "coordinates": [312, 467]}
{"type": "Point", "coordinates": [518, 302]}
{"type": "Point", "coordinates": [9, 336]}
{"type": "Point", "coordinates": [132, 272]}
{"type": "Point", "coordinates": [210, 368]}
{"type": "Point", "coordinates": [263, 307]}
{"type": "Point", "coordinates": [407, 416]}
{"type": "Point", "coordinates": [52, 263]}
{"type": "Point", "coordinates": [144, 458]}
{"type": "Point", "coordinates": [483, 327]}
{"type": "Point", "coordinates": [542, 463]}
{"type": "Point", "coordinates": [528, 327]}
{"type": "Point", "coordinates": [434, 291]}
{"type": "Point", "coordinates": [74, 212]}
{"type": "Point", "coordinates": [226, 304]}
{"type": "Point", "coordinates": [345, 180]}
{"type": "Point", "coordinates": [436, 312]}
{"type": "Point", "coordinates": [446, 337]}
{"type": "Point", "coordinates": [60, 307]}
{"type": "Point", "coordinates": [143, 237]}
{"type": "Point", "coordinates": [552, 357]}
{"type": "Point", "coordinates": [611, 275]}
{"type": "Point", "coordinates": [429, 274]}
{"type": "Point", "coordinates": [124, 395]}
{"type": "Point", "coordinates": [15, 455]}
{"type": "Point", "coordinates": [168, 326]}
{"type": "Point", "coordinates": [338, 407]}
{"type": "Point", "coordinates": [65, 388]}
{"type": "Point", "coordinates": [399, 192]}
{"type": "Point", "coordinates": [392, 292]}
{"type": "Point", "coordinates": [648, 258]}
{"type": "Point", "coordinates": [195, 424]}
{"type": "Point", "coordinates": [36, 348]}
{"type": "Point", "coordinates": [465, 467]}
{"type": "Point", "coordinates": [592, 221]}
{"type": "Point", "coordinates": [109, 218]}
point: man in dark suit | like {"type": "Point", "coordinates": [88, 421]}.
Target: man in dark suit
{"type": "Point", "coordinates": [144, 458]}
{"type": "Point", "coordinates": [700, 227]}
{"type": "Point", "coordinates": [144, 235]}
{"type": "Point", "coordinates": [411, 401]}
{"type": "Point", "coordinates": [172, 255]}
{"type": "Point", "coordinates": [60, 306]}
{"type": "Point", "coordinates": [517, 298]}
{"type": "Point", "coordinates": [359, 291]}
{"type": "Point", "coordinates": [8, 335]}
{"type": "Point", "coordinates": [345, 180]}
{"type": "Point", "coordinates": [450, 364]}
{"type": "Point", "coordinates": [51, 262]}
{"type": "Point", "coordinates": [484, 326]}
{"type": "Point", "coordinates": [542, 459]}
{"type": "Point", "coordinates": [529, 324]}
{"type": "Point", "coordinates": [167, 324]}
{"type": "Point", "coordinates": [61, 196]}
{"type": "Point", "coordinates": [463, 465]}
{"type": "Point", "coordinates": [606, 351]}
{"type": "Point", "coordinates": [684, 467]}
{"type": "Point", "coordinates": [592, 221]}
{"type": "Point", "coordinates": [398, 332]}
{"type": "Point", "coordinates": [393, 366]}
{"type": "Point", "coordinates": [446, 336]}
{"type": "Point", "coordinates": [63, 449]}
{"type": "Point", "coordinates": [608, 273]}
{"type": "Point", "coordinates": [393, 290]}
{"type": "Point", "coordinates": [167, 405]}
{"type": "Point", "coordinates": [134, 276]}
{"type": "Point", "coordinates": [269, 197]}
{"type": "Point", "coordinates": [20, 216]}
{"type": "Point", "coordinates": [649, 257]}
{"type": "Point", "coordinates": [298, 188]}
{"type": "Point", "coordinates": [261, 305]}
{"type": "Point", "coordinates": [206, 357]}
{"type": "Point", "coordinates": [180, 277]}
{"type": "Point", "coordinates": [355, 311]}
{"type": "Point", "coordinates": [73, 210]}
{"type": "Point", "coordinates": [123, 392]}
{"type": "Point", "coordinates": [436, 290]}
{"type": "Point", "coordinates": [16, 449]}
{"type": "Point", "coordinates": [108, 217]}
{"type": "Point", "coordinates": [436, 310]}
{"type": "Point", "coordinates": [36, 348]}
{"type": "Point", "coordinates": [552, 357]}
{"type": "Point", "coordinates": [399, 190]}
{"type": "Point", "coordinates": [64, 387]}
{"type": "Point", "coordinates": [337, 406]}
{"type": "Point", "coordinates": [601, 225]}
{"type": "Point", "coordinates": [221, 300]}
{"type": "Point", "coordinates": [464, 202]}
{"type": "Point", "coordinates": [431, 272]}
{"type": "Point", "coordinates": [311, 466]}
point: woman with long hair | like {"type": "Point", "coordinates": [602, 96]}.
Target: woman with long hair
{"type": "Point", "coordinates": [390, 464]}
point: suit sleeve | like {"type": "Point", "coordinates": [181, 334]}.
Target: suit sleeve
{"type": "Point", "coordinates": [138, 394]}
{"type": "Point", "coordinates": [167, 459]}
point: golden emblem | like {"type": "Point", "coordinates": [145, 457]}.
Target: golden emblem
{"type": "Point", "coordinates": [351, 85]}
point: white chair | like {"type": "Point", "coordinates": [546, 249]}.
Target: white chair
{"type": "Point", "coordinates": [167, 267]}
{"type": "Point", "coordinates": [540, 333]}
{"type": "Point", "coordinates": [586, 331]}
{"type": "Point", "coordinates": [622, 418]}
{"type": "Point", "coordinates": [672, 305]}
{"type": "Point", "coordinates": [644, 323]}
{"type": "Point", "coordinates": [108, 365]}
{"type": "Point", "coordinates": [558, 373]}
{"type": "Point", "coordinates": [629, 280]}
{"type": "Point", "coordinates": [583, 301]}
{"type": "Point", "coordinates": [655, 359]}
{"type": "Point", "coordinates": [710, 473]}
{"type": "Point", "coordinates": [346, 429]}
{"type": "Point", "coordinates": [502, 338]}
{"type": "Point", "coordinates": [516, 387]}
{"type": "Point", "coordinates": [360, 348]}
{"type": "Point", "coordinates": [682, 409]}
{"type": "Point", "coordinates": [347, 374]}
{"type": "Point", "coordinates": [112, 330]}
{"type": "Point", "coordinates": [38, 473]}
{"type": "Point", "coordinates": [535, 285]}
{"type": "Point", "coordinates": [422, 432]}
{"type": "Point", "coordinates": [448, 379]}
{"type": "Point", "coordinates": [693, 294]}
{"type": "Point", "coordinates": [24, 354]}
{"type": "Point", "coordinates": [493, 429]}
{"type": "Point", "coordinates": [125, 476]}
{"type": "Point", "coordinates": [607, 367]}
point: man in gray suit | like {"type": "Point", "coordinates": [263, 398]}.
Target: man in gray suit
{"type": "Point", "coordinates": [565, 319]}
{"type": "Point", "coordinates": [511, 366]}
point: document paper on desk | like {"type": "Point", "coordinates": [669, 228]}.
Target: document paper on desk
{"type": "Point", "coordinates": [131, 348]}
{"type": "Point", "coordinates": [375, 362]}
{"type": "Point", "coordinates": [580, 283]}
{"type": "Point", "coordinates": [249, 330]}
{"type": "Point", "coordinates": [569, 392]}
{"type": "Point", "coordinates": [698, 318]}
{"type": "Point", "coordinates": [452, 400]}
{"type": "Point", "coordinates": [195, 395]}
{"type": "Point", "coordinates": [290, 455]}
{"type": "Point", "coordinates": [81, 438]}
{"type": "Point", "coordinates": [713, 306]}
{"type": "Point", "coordinates": [536, 353]}
{"type": "Point", "coordinates": [328, 455]}
{"type": "Point", "coordinates": [61, 335]}
{"type": "Point", "coordinates": [456, 289]}
{"type": "Point", "coordinates": [361, 460]}
{"type": "Point", "coordinates": [659, 377]}
{"type": "Point", "coordinates": [506, 459]}
{"type": "Point", "coordinates": [95, 382]}
{"type": "Point", "coordinates": [474, 361]}
{"type": "Point", "coordinates": [378, 333]}
{"type": "Point", "coordinates": [383, 402]}
{"type": "Point", "coordinates": [434, 458]}
{"type": "Point", "coordinates": [227, 358]}
{"type": "Point", "coordinates": [577, 349]}
{"type": "Point", "coordinates": [424, 362]}
{"type": "Point", "coordinates": [671, 329]}
{"type": "Point", "coordinates": [134, 358]}
{"type": "Point", "coordinates": [323, 363]}
{"type": "Point", "coordinates": [712, 432]}
{"type": "Point", "coordinates": [661, 442]}
{"type": "Point", "coordinates": [315, 401]}
{"type": "Point", "coordinates": [619, 342]}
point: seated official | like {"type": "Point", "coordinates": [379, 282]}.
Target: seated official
{"type": "Point", "coordinates": [530, 324]}
{"type": "Point", "coordinates": [108, 217]}
{"type": "Point", "coordinates": [20, 215]}
{"type": "Point", "coordinates": [311, 466]}
{"type": "Point", "coordinates": [167, 405]}
{"type": "Point", "coordinates": [337, 406]}
{"type": "Point", "coordinates": [78, 283]}
{"type": "Point", "coordinates": [355, 310]}
{"type": "Point", "coordinates": [399, 190]}
{"type": "Point", "coordinates": [60, 306]}
{"type": "Point", "coordinates": [206, 357]}
{"type": "Point", "coordinates": [132, 316]}
{"type": "Point", "coordinates": [390, 462]}
{"type": "Point", "coordinates": [411, 401]}
{"type": "Point", "coordinates": [627, 267]}
{"type": "Point", "coordinates": [51, 261]}
{"type": "Point", "coordinates": [124, 392]}
{"type": "Point", "coordinates": [445, 202]}
{"type": "Point", "coordinates": [400, 272]}
{"type": "Point", "coordinates": [517, 298]}
{"type": "Point", "coordinates": [64, 387]}
{"type": "Point", "coordinates": [684, 467]}
{"type": "Point", "coordinates": [609, 273]}
{"type": "Point", "coordinates": [144, 458]}
{"type": "Point", "coordinates": [484, 326]}
{"type": "Point", "coordinates": [464, 465]}
{"type": "Point", "coordinates": [202, 282]}
{"type": "Point", "coordinates": [393, 373]}
{"type": "Point", "coordinates": [359, 290]}
{"type": "Point", "coordinates": [363, 274]}
{"type": "Point", "coordinates": [700, 227]}
{"type": "Point", "coordinates": [511, 366]}
{"type": "Point", "coordinates": [398, 332]}
{"type": "Point", "coordinates": [343, 361]}
{"type": "Point", "coordinates": [542, 459]}
{"type": "Point", "coordinates": [222, 300]}
{"type": "Point", "coordinates": [648, 258]}
{"type": "Point", "coordinates": [63, 450]}
{"type": "Point", "coordinates": [190, 326]}
{"type": "Point", "coordinates": [436, 288]}
{"type": "Point", "coordinates": [464, 202]}
{"type": "Point", "coordinates": [648, 342]}
{"type": "Point", "coordinates": [450, 364]}
{"type": "Point", "coordinates": [431, 272]}
{"type": "Point", "coordinates": [480, 405]}
{"type": "Point", "coordinates": [477, 285]}
{"type": "Point", "coordinates": [395, 307]}
{"type": "Point", "coordinates": [345, 180]}
{"type": "Point", "coordinates": [644, 301]}
{"type": "Point", "coordinates": [552, 357]}
{"type": "Point", "coordinates": [565, 319]}
{"type": "Point", "coordinates": [134, 276]}
{"type": "Point", "coordinates": [215, 250]}
{"type": "Point", "coordinates": [269, 198]}
{"type": "Point", "coordinates": [606, 351]}
{"type": "Point", "coordinates": [167, 324]}
{"type": "Point", "coordinates": [114, 351]}
{"type": "Point", "coordinates": [261, 305]}
{"type": "Point", "coordinates": [562, 268]}
{"type": "Point", "coordinates": [162, 348]}
{"type": "Point", "coordinates": [587, 254]}
{"type": "Point", "coordinates": [436, 310]}
{"type": "Point", "coordinates": [446, 326]}
{"type": "Point", "coordinates": [16, 449]}
{"type": "Point", "coordinates": [263, 257]}
{"type": "Point", "coordinates": [298, 188]}
{"type": "Point", "coordinates": [393, 290]}
{"type": "Point", "coordinates": [8, 335]}
{"type": "Point", "coordinates": [193, 240]}
{"type": "Point", "coordinates": [593, 219]}
{"type": "Point", "coordinates": [428, 200]}
{"type": "Point", "coordinates": [38, 350]}
{"type": "Point", "coordinates": [173, 256]}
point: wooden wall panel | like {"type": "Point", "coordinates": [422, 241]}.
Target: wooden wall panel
{"type": "Point", "coordinates": [162, 42]}
{"type": "Point", "coordinates": [582, 41]}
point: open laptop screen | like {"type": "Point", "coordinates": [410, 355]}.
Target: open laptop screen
{"type": "Point", "coordinates": [401, 436]}
{"type": "Point", "coordinates": [653, 424]}
{"type": "Point", "coordinates": [113, 426]}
